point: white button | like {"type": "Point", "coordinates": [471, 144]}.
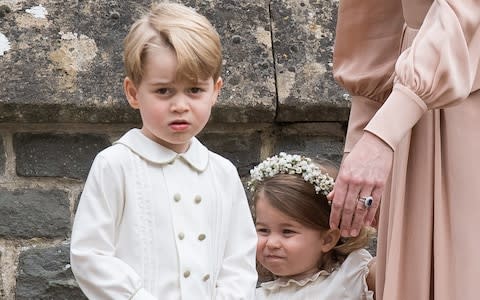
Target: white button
{"type": "Point", "coordinates": [206, 277]}
{"type": "Point", "coordinates": [181, 235]}
{"type": "Point", "coordinates": [186, 274]}
{"type": "Point", "coordinates": [198, 199]}
{"type": "Point", "coordinates": [177, 197]}
{"type": "Point", "coordinates": [201, 237]}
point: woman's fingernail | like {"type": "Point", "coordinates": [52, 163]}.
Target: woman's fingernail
{"type": "Point", "coordinates": [354, 232]}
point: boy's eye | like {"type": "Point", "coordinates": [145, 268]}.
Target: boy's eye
{"type": "Point", "coordinates": [194, 90]}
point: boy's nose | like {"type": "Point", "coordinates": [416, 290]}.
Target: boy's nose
{"type": "Point", "coordinates": [180, 104]}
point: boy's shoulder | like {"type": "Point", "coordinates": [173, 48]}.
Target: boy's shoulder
{"type": "Point", "coordinates": [114, 154]}
{"type": "Point", "coordinates": [222, 163]}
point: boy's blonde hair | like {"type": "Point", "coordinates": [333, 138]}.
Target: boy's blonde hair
{"type": "Point", "coordinates": [190, 35]}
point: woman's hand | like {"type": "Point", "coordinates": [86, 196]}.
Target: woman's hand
{"type": "Point", "coordinates": [363, 172]}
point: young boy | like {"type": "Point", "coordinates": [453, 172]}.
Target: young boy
{"type": "Point", "coordinates": [162, 217]}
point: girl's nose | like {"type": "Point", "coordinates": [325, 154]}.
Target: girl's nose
{"type": "Point", "coordinates": [273, 242]}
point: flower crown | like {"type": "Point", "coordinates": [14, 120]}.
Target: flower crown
{"type": "Point", "coordinates": [284, 163]}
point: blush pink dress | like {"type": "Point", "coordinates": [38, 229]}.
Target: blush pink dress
{"type": "Point", "coordinates": [412, 68]}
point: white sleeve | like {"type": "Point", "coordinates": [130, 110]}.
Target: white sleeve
{"type": "Point", "coordinates": [354, 271]}
{"type": "Point", "coordinates": [99, 273]}
{"type": "Point", "coordinates": [238, 276]}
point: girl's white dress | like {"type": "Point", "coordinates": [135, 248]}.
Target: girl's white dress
{"type": "Point", "coordinates": [347, 282]}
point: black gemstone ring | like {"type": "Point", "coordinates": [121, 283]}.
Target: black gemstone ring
{"type": "Point", "coordinates": [367, 201]}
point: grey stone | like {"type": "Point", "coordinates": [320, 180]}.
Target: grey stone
{"type": "Point", "coordinates": [244, 27]}
{"type": "Point", "coordinates": [2, 156]}
{"type": "Point", "coordinates": [29, 213]}
{"type": "Point", "coordinates": [243, 150]}
{"type": "Point", "coordinates": [320, 140]}
{"type": "Point", "coordinates": [68, 67]}
{"type": "Point", "coordinates": [303, 35]}
{"type": "Point", "coordinates": [2, 291]}
{"type": "Point", "coordinates": [46, 274]}
{"type": "Point", "coordinates": [56, 155]}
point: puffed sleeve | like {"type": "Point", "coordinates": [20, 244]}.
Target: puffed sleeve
{"type": "Point", "coordinates": [99, 273]}
{"type": "Point", "coordinates": [354, 271]}
{"type": "Point", "coordinates": [367, 44]}
{"type": "Point", "coordinates": [438, 70]}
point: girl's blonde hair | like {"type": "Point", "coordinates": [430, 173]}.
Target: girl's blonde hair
{"type": "Point", "coordinates": [296, 198]}
{"type": "Point", "coordinates": [190, 35]}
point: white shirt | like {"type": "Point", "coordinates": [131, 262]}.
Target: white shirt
{"type": "Point", "coordinates": [155, 224]}
{"type": "Point", "coordinates": [348, 282]}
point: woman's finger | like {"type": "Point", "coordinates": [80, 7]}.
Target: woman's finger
{"type": "Point", "coordinates": [363, 207]}
{"type": "Point", "coordinates": [349, 208]}
{"type": "Point", "coordinates": [339, 192]}
{"type": "Point", "coordinates": [377, 197]}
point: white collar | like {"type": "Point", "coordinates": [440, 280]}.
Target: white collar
{"type": "Point", "coordinates": [196, 155]}
{"type": "Point", "coordinates": [284, 282]}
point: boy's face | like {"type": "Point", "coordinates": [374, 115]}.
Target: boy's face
{"type": "Point", "coordinates": [172, 112]}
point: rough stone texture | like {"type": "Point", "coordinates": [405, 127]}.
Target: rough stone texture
{"type": "Point", "coordinates": [318, 140]}
{"type": "Point", "coordinates": [72, 61]}
{"type": "Point", "coordinates": [46, 274]}
{"type": "Point", "coordinates": [2, 156]}
{"type": "Point", "coordinates": [57, 155]}
{"type": "Point", "coordinates": [243, 150]}
{"type": "Point", "coordinates": [303, 35]}
{"type": "Point", "coordinates": [244, 27]}
{"type": "Point", "coordinates": [29, 213]}
{"type": "Point", "coordinates": [1, 279]}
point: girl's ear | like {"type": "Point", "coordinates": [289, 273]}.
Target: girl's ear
{"type": "Point", "coordinates": [131, 92]}
{"type": "Point", "coordinates": [330, 239]}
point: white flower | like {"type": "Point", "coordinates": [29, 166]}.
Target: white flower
{"type": "Point", "coordinates": [284, 163]}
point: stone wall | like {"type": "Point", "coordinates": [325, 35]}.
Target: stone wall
{"type": "Point", "coordinates": [61, 102]}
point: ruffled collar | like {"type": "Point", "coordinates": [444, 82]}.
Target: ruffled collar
{"type": "Point", "coordinates": [196, 155]}
{"type": "Point", "coordinates": [285, 282]}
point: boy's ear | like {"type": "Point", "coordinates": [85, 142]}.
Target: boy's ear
{"type": "Point", "coordinates": [217, 86]}
{"type": "Point", "coordinates": [330, 239]}
{"type": "Point", "coordinates": [131, 92]}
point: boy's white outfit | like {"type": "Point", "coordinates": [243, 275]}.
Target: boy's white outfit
{"type": "Point", "coordinates": [155, 224]}
{"type": "Point", "coordinates": [348, 282]}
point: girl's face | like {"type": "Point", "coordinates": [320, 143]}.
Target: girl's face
{"type": "Point", "coordinates": [285, 246]}
{"type": "Point", "coordinates": [172, 112]}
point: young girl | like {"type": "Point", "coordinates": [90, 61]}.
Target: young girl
{"type": "Point", "coordinates": [295, 243]}
{"type": "Point", "coordinates": [161, 216]}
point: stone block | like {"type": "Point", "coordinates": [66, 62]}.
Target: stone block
{"type": "Point", "coordinates": [45, 273]}
{"type": "Point", "coordinates": [2, 292]}
{"type": "Point", "coordinates": [2, 156]}
{"type": "Point", "coordinates": [318, 140]}
{"type": "Point", "coordinates": [243, 150]}
{"type": "Point", "coordinates": [56, 155]}
{"type": "Point", "coordinates": [30, 213]}
{"type": "Point", "coordinates": [303, 35]}
{"type": "Point", "coordinates": [67, 66]}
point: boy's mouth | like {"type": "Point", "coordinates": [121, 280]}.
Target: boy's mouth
{"type": "Point", "coordinates": [179, 125]}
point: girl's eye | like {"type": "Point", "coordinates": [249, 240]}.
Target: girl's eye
{"type": "Point", "coordinates": [288, 232]}
{"type": "Point", "coordinates": [162, 91]}
{"type": "Point", "coordinates": [262, 230]}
